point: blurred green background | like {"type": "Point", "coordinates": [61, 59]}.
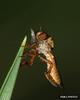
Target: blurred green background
{"type": "Point", "coordinates": [61, 19]}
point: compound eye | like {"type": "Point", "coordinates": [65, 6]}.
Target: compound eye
{"type": "Point", "coordinates": [42, 36]}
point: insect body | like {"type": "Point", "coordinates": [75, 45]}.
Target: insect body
{"type": "Point", "coordinates": [43, 44]}
{"type": "Point", "coordinates": [52, 73]}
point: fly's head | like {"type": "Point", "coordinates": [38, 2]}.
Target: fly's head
{"type": "Point", "coordinates": [40, 36]}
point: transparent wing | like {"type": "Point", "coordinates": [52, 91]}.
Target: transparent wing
{"type": "Point", "coordinates": [33, 37]}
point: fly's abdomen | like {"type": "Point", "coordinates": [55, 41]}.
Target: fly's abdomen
{"type": "Point", "coordinates": [53, 74]}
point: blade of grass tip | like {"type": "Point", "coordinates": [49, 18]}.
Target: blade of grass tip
{"type": "Point", "coordinates": [9, 82]}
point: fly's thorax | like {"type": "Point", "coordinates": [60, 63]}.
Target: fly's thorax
{"type": "Point", "coordinates": [43, 47]}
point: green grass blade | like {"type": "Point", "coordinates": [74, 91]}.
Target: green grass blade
{"type": "Point", "coordinates": [9, 82]}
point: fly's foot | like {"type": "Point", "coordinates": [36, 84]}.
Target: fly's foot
{"type": "Point", "coordinates": [24, 62]}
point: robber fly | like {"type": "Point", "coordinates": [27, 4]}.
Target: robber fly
{"type": "Point", "coordinates": [42, 43]}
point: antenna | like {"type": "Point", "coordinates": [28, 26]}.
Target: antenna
{"type": "Point", "coordinates": [40, 28]}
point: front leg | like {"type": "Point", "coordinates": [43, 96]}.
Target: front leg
{"type": "Point", "coordinates": [44, 60]}
{"type": "Point", "coordinates": [48, 62]}
{"type": "Point", "coordinates": [32, 53]}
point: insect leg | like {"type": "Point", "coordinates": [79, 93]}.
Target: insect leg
{"type": "Point", "coordinates": [48, 62]}
{"type": "Point", "coordinates": [33, 54]}
{"type": "Point", "coordinates": [44, 60]}
{"type": "Point", "coordinates": [25, 54]}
